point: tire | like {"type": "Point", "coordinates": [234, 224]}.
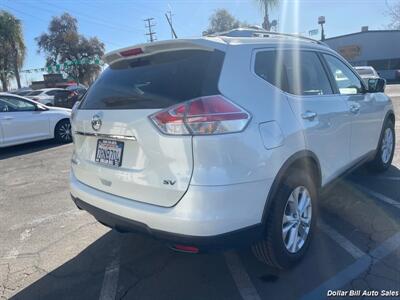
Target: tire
{"type": "Point", "coordinates": [274, 250]}
{"type": "Point", "coordinates": [62, 132]}
{"type": "Point", "coordinates": [385, 152]}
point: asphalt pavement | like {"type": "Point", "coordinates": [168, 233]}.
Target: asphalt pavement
{"type": "Point", "coordinates": [51, 250]}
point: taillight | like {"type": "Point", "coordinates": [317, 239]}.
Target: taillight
{"type": "Point", "coordinates": [202, 116]}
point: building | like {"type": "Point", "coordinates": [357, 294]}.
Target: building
{"type": "Point", "coordinates": [52, 81]}
{"type": "Point", "coordinates": [377, 48]}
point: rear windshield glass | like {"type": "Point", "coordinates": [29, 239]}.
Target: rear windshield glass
{"type": "Point", "coordinates": [158, 81]}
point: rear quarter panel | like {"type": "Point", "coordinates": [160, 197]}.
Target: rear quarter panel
{"type": "Point", "coordinates": [243, 157]}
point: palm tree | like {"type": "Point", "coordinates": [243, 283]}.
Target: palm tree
{"type": "Point", "coordinates": [12, 48]}
{"type": "Point", "coordinates": [266, 5]}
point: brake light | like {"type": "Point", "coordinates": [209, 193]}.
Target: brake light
{"type": "Point", "coordinates": [131, 52]}
{"type": "Point", "coordinates": [202, 116]}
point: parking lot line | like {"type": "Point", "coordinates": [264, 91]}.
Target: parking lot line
{"type": "Point", "coordinates": [343, 242]}
{"type": "Point", "coordinates": [240, 277]}
{"type": "Point", "coordinates": [378, 196]}
{"type": "Point", "coordinates": [355, 269]}
{"type": "Point", "coordinates": [111, 274]}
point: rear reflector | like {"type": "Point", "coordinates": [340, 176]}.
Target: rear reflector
{"type": "Point", "coordinates": [190, 249]}
{"type": "Point", "coordinates": [131, 52]}
{"type": "Point", "coordinates": [202, 116]}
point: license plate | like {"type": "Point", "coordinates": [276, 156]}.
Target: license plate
{"type": "Point", "coordinates": [109, 152]}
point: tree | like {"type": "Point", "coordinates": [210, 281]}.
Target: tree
{"type": "Point", "coordinates": [221, 20]}
{"type": "Point", "coordinates": [63, 44]}
{"type": "Point", "coordinates": [394, 13]}
{"type": "Point", "coordinates": [12, 48]}
{"type": "Point", "coordinates": [266, 5]}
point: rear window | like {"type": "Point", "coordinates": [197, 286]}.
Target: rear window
{"type": "Point", "coordinates": [158, 81]}
{"type": "Point", "coordinates": [35, 93]}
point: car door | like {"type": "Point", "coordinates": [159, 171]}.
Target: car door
{"type": "Point", "coordinates": [21, 121]}
{"type": "Point", "coordinates": [322, 115]}
{"type": "Point", "coordinates": [364, 108]}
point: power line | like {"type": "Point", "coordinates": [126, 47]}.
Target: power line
{"type": "Point", "coordinates": [48, 21]}
{"type": "Point", "coordinates": [149, 25]}
{"type": "Point", "coordinates": [96, 20]}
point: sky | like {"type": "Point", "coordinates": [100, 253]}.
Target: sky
{"type": "Point", "coordinates": [119, 23]}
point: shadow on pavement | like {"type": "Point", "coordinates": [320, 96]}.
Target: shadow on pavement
{"type": "Point", "coordinates": [28, 148]}
{"type": "Point", "coordinates": [147, 270]}
{"type": "Point", "coordinates": [79, 278]}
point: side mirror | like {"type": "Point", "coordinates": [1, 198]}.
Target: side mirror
{"type": "Point", "coordinates": [376, 85]}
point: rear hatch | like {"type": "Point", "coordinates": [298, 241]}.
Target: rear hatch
{"type": "Point", "coordinates": [118, 149]}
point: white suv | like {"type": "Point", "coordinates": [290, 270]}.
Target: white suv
{"type": "Point", "coordinates": [221, 142]}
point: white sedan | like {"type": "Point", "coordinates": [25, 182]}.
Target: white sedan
{"type": "Point", "coordinates": [44, 96]}
{"type": "Point", "coordinates": [23, 120]}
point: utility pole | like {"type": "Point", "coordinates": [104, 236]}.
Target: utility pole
{"type": "Point", "coordinates": [149, 25]}
{"type": "Point", "coordinates": [169, 20]}
{"type": "Point", "coordinates": [321, 21]}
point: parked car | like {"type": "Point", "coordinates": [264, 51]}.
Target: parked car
{"type": "Point", "coordinates": [23, 92]}
{"type": "Point", "coordinates": [23, 120]}
{"type": "Point", "coordinates": [367, 72]}
{"type": "Point", "coordinates": [68, 97]}
{"type": "Point", "coordinates": [397, 75]}
{"type": "Point", "coordinates": [220, 142]}
{"type": "Point", "coordinates": [44, 96]}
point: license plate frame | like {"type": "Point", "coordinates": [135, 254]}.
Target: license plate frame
{"type": "Point", "coordinates": [103, 157]}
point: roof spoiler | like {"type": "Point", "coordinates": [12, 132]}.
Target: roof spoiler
{"type": "Point", "coordinates": [143, 50]}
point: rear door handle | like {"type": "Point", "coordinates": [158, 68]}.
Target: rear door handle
{"type": "Point", "coordinates": [7, 118]}
{"type": "Point", "coordinates": [309, 115]}
{"type": "Point", "coordinates": [354, 108]}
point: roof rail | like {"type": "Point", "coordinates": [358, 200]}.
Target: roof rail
{"type": "Point", "coordinates": [251, 32]}
{"type": "Point", "coordinates": [293, 36]}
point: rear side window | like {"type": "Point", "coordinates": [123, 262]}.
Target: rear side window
{"type": "Point", "coordinates": [157, 81]}
{"type": "Point", "coordinates": [295, 72]}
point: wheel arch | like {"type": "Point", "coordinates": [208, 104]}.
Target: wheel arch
{"type": "Point", "coordinates": [302, 159]}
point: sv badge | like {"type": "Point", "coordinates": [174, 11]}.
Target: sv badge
{"type": "Point", "coordinates": [169, 182]}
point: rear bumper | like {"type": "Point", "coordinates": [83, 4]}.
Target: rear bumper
{"type": "Point", "coordinates": [206, 217]}
{"type": "Point", "coordinates": [235, 239]}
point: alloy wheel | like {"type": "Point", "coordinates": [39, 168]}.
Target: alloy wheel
{"type": "Point", "coordinates": [296, 221]}
{"type": "Point", "coordinates": [65, 132]}
{"type": "Point", "coordinates": [387, 145]}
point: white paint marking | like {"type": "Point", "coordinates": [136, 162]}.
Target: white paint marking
{"type": "Point", "coordinates": [13, 253]}
{"type": "Point", "coordinates": [110, 281]}
{"type": "Point", "coordinates": [25, 234]}
{"type": "Point", "coordinates": [379, 196]}
{"type": "Point", "coordinates": [240, 276]}
{"type": "Point", "coordinates": [352, 249]}
{"type": "Point", "coordinates": [355, 269]}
